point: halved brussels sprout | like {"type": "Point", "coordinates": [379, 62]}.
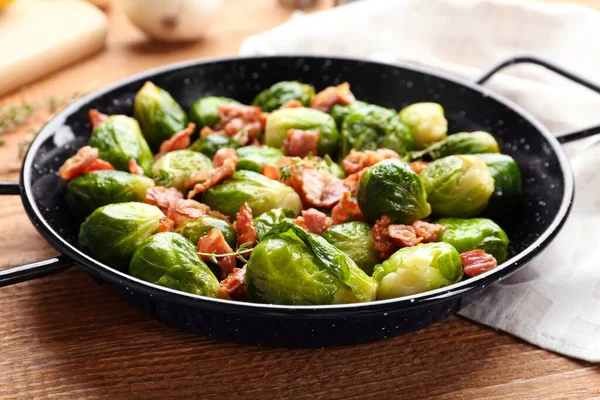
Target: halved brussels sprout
{"type": "Point", "coordinates": [355, 240]}
{"type": "Point", "coordinates": [210, 144]}
{"type": "Point", "coordinates": [158, 113]}
{"type": "Point", "coordinates": [292, 266]}
{"type": "Point", "coordinates": [113, 232]}
{"type": "Point", "coordinates": [506, 174]}
{"type": "Point", "coordinates": [277, 95]}
{"type": "Point", "coordinates": [204, 112]}
{"type": "Point", "coordinates": [375, 129]}
{"type": "Point", "coordinates": [261, 193]}
{"type": "Point", "coordinates": [327, 165]}
{"type": "Point", "coordinates": [279, 122]}
{"type": "Point", "coordinates": [194, 229]}
{"type": "Point", "coordinates": [475, 233]}
{"type": "Point", "coordinates": [170, 260]}
{"type": "Point", "coordinates": [264, 222]}
{"type": "Point", "coordinates": [253, 158]}
{"type": "Point", "coordinates": [457, 186]}
{"type": "Point", "coordinates": [427, 122]}
{"type": "Point", "coordinates": [392, 188]}
{"type": "Point", "coordinates": [339, 112]}
{"type": "Point", "coordinates": [119, 139]}
{"type": "Point", "coordinates": [174, 168]}
{"type": "Point", "coordinates": [466, 143]}
{"type": "Point", "coordinates": [418, 269]}
{"type": "Point", "coordinates": [99, 188]}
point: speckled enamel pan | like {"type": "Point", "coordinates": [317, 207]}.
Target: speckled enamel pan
{"type": "Point", "coordinates": [531, 226]}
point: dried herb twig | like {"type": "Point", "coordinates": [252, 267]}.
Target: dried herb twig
{"type": "Point", "coordinates": [243, 249]}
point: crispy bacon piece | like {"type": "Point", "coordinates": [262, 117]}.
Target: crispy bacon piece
{"type": "Point", "coordinates": [320, 189]}
{"type": "Point", "coordinates": [232, 287]}
{"type": "Point", "coordinates": [96, 118]}
{"type": "Point", "coordinates": [384, 244]}
{"type": "Point", "coordinates": [214, 241]}
{"type": "Point", "coordinates": [244, 226]}
{"type": "Point", "coordinates": [418, 166]}
{"type": "Point", "coordinates": [327, 98]}
{"type": "Point", "coordinates": [427, 231]}
{"type": "Point", "coordinates": [357, 161]}
{"type": "Point", "coordinates": [293, 103]}
{"type": "Point", "coordinates": [135, 168]}
{"type": "Point", "coordinates": [301, 143]}
{"type": "Point", "coordinates": [204, 180]}
{"type": "Point", "coordinates": [314, 221]}
{"type": "Point", "coordinates": [477, 262]}
{"type": "Point", "coordinates": [184, 210]}
{"type": "Point", "coordinates": [352, 181]}
{"type": "Point", "coordinates": [242, 121]}
{"type": "Point", "coordinates": [166, 224]}
{"type": "Point", "coordinates": [163, 197]}
{"type": "Point", "coordinates": [271, 171]}
{"type": "Point", "coordinates": [224, 154]}
{"type": "Point", "coordinates": [84, 161]}
{"type": "Point", "coordinates": [346, 208]}
{"type": "Point", "coordinates": [404, 235]}
{"type": "Point", "coordinates": [179, 141]}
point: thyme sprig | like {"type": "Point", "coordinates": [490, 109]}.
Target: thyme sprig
{"type": "Point", "coordinates": [418, 154]}
{"type": "Point", "coordinates": [243, 249]}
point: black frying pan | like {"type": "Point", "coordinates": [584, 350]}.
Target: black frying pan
{"type": "Point", "coordinates": [547, 196]}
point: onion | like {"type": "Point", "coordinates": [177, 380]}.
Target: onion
{"type": "Point", "coordinates": [172, 20]}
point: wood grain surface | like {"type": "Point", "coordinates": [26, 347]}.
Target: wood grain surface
{"type": "Point", "coordinates": [65, 337]}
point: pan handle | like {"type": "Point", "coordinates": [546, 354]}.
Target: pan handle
{"type": "Point", "coordinates": [34, 270]}
{"type": "Point", "coordinates": [38, 269]}
{"type": "Point", "coordinates": [563, 137]}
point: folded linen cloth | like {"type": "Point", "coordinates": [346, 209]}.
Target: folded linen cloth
{"type": "Point", "coordinates": [555, 301]}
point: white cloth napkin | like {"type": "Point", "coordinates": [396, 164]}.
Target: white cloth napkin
{"type": "Point", "coordinates": [555, 301]}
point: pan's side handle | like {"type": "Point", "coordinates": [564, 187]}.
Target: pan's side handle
{"type": "Point", "coordinates": [562, 137]}
{"type": "Point", "coordinates": [38, 269]}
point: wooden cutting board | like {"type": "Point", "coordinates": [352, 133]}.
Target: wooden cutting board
{"type": "Point", "coordinates": [41, 36]}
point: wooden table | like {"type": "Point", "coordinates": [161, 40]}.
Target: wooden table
{"type": "Point", "coordinates": [65, 336]}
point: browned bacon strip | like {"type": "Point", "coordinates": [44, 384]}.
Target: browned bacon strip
{"type": "Point", "coordinates": [84, 161]}
{"type": "Point", "coordinates": [215, 242]}
{"type": "Point", "coordinates": [327, 98]}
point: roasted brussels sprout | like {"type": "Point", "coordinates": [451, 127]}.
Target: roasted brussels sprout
{"type": "Point", "coordinates": [339, 112]}
{"type": "Point", "coordinates": [261, 193]}
{"type": "Point", "coordinates": [113, 232]}
{"type": "Point", "coordinates": [253, 158]}
{"type": "Point", "coordinates": [375, 129]}
{"type": "Point", "coordinates": [475, 233]}
{"type": "Point", "coordinates": [506, 174]}
{"type": "Point", "coordinates": [418, 269]}
{"type": "Point", "coordinates": [281, 121]}
{"type": "Point", "coordinates": [204, 111]}
{"type": "Point", "coordinates": [210, 144]}
{"type": "Point", "coordinates": [466, 143]}
{"type": "Point", "coordinates": [119, 140]}
{"type": "Point", "coordinates": [264, 222]}
{"type": "Point", "coordinates": [355, 240]}
{"type": "Point", "coordinates": [170, 260]}
{"type": "Point", "coordinates": [174, 168]}
{"type": "Point", "coordinates": [457, 186]}
{"type": "Point", "coordinates": [391, 187]}
{"type": "Point", "coordinates": [427, 122]}
{"type": "Point", "coordinates": [99, 188]}
{"type": "Point", "coordinates": [292, 266]}
{"type": "Point", "coordinates": [327, 165]}
{"type": "Point", "coordinates": [158, 113]}
{"type": "Point", "coordinates": [194, 229]}
{"type": "Point", "coordinates": [277, 95]}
